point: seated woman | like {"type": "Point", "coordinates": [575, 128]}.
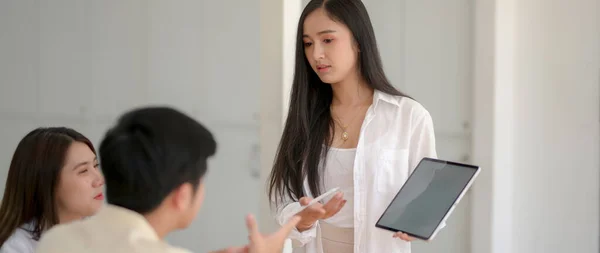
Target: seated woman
{"type": "Point", "coordinates": [53, 178]}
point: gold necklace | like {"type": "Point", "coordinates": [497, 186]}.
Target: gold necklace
{"type": "Point", "coordinates": [345, 134]}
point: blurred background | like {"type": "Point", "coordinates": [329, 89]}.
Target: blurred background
{"type": "Point", "coordinates": [512, 86]}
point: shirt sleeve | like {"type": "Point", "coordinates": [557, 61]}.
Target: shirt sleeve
{"type": "Point", "coordinates": [422, 141]}
{"type": "Point", "coordinates": [284, 213]}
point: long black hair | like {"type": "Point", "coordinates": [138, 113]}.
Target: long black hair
{"type": "Point", "coordinates": [308, 124]}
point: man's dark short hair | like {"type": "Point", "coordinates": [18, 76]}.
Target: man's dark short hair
{"type": "Point", "coordinates": [150, 152]}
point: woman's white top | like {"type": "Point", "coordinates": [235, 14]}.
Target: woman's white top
{"type": "Point", "coordinates": [396, 134]}
{"type": "Point", "coordinates": [338, 173]}
{"type": "Point", "coordinates": [21, 241]}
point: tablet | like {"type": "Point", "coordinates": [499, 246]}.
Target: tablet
{"type": "Point", "coordinates": [428, 197]}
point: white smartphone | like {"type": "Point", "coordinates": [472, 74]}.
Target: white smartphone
{"type": "Point", "coordinates": [317, 199]}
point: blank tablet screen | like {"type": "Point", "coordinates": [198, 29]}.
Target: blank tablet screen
{"type": "Point", "coordinates": [426, 197]}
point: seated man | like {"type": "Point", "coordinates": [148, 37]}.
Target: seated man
{"type": "Point", "coordinates": [154, 161]}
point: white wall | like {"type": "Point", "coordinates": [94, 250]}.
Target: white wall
{"type": "Point", "coordinates": [492, 132]}
{"type": "Point", "coordinates": [82, 63]}
{"type": "Point", "coordinates": [537, 126]}
{"type": "Point", "coordinates": [271, 93]}
{"type": "Point", "coordinates": [278, 22]}
{"type": "Point", "coordinates": [556, 161]}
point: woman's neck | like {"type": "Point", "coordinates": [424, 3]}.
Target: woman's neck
{"type": "Point", "coordinates": [353, 91]}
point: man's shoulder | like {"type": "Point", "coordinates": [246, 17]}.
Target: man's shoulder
{"type": "Point", "coordinates": [61, 236]}
{"type": "Point", "coordinates": [87, 236]}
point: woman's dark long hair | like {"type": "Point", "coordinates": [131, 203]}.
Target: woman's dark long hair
{"type": "Point", "coordinates": [309, 120]}
{"type": "Point", "coordinates": [33, 177]}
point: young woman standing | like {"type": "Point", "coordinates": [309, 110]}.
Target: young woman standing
{"type": "Point", "coordinates": [347, 127]}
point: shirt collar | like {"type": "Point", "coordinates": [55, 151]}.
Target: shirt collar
{"type": "Point", "coordinates": [382, 96]}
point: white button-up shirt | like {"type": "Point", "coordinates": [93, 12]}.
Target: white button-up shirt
{"type": "Point", "coordinates": [396, 134]}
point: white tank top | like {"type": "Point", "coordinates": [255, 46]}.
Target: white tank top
{"type": "Point", "coordinates": [338, 172]}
